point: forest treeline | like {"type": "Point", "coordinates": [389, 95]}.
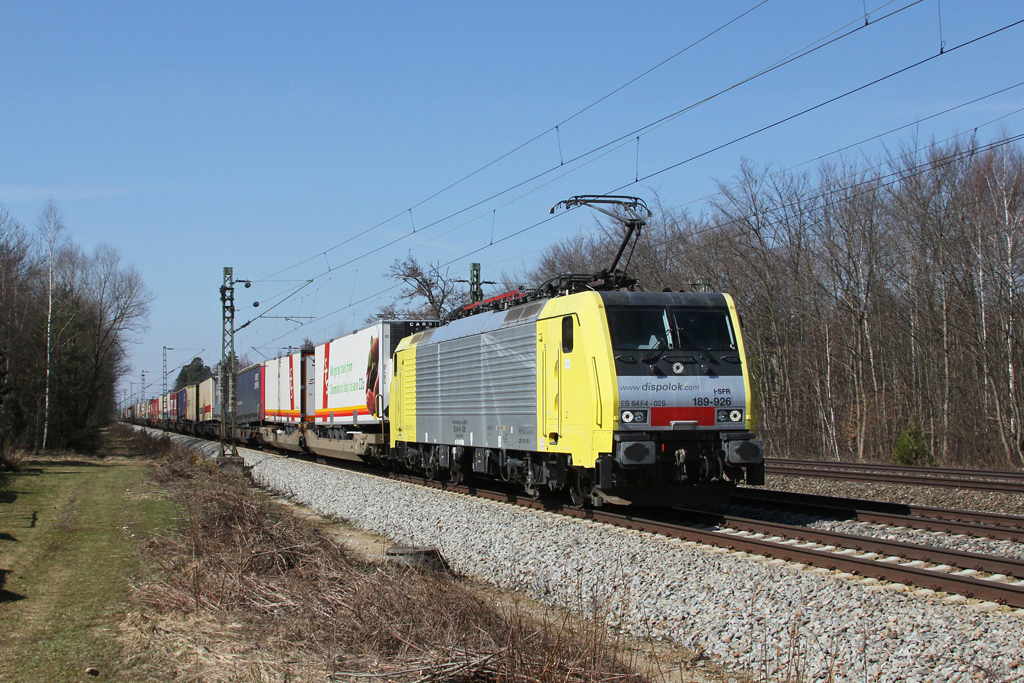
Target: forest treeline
{"type": "Point", "coordinates": [66, 318]}
{"type": "Point", "coordinates": [881, 299]}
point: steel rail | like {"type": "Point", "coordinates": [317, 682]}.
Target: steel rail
{"type": "Point", "coordinates": [976, 480]}
{"type": "Point", "coordinates": [837, 505]}
{"type": "Point", "coordinates": [961, 485]}
{"type": "Point", "coordinates": [979, 524]}
{"type": "Point", "coordinates": [868, 544]}
{"type": "Point", "coordinates": [1012, 475]}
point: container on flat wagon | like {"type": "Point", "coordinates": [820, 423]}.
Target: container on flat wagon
{"type": "Point", "coordinates": [353, 373]}
{"type": "Point", "coordinates": [290, 384]}
{"type": "Point", "coordinates": [154, 409]}
{"type": "Point", "coordinates": [188, 405]}
{"type": "Point", "coordinates": [216, 398]}
{"type": "Point", "coordinates": [249, 401]}
{"type": "Point", "coordinates": [167, 405]}
{"type": "Point", "coordinates": [206, 393]}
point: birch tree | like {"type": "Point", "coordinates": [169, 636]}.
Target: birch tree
{"type": "Point", "coordinates": [51, 229]}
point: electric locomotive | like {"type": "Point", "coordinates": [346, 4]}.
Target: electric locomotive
{"type": "Point", "coordinates": [586, 385]}
{"type": "Point", "coordinates": [614, 396]}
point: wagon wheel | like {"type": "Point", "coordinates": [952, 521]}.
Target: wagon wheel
{"type": "Point", "coordinates": [430, 471]}
{"type": "Point", "coordinates": [532, 473]}
{"type": "Point", "coordinates": [455, 471]}
{"type": "Point", "coordinates": [579, 492]}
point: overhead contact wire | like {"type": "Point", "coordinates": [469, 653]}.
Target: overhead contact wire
{"type": "Point", "coordinates": [822, 104]}
{"type": "Point", "coordinates": [718, 147]}
{"type": "Point", "coordinates": [873, 181]}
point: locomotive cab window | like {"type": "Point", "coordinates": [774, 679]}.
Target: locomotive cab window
{"type": "Point", "coordinates": [641, 329]}
{"type": "Point", "coordinates": [567, 334]}
{"type": "Point", "coordinates": [703, 330]}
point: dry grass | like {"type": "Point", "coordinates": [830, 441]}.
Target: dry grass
{"type": "Point", "coordinates": [70, 529]}
{"type": "Point", "coordinates": [250, 591]}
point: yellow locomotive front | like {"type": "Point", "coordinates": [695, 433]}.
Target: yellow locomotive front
{"type": "Point", "coordinates": [648, 393]}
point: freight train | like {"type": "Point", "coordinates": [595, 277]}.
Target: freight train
{"type": "Point", "coordinates": [586, 387]}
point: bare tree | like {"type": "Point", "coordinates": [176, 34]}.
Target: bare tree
{"type": "Point", "coordinates": [437, 293]}
{"type": "Point", "coordinates": [119, 302]}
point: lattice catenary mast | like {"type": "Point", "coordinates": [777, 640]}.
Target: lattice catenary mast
{"type": "Point", "coordinates": [226, 379]}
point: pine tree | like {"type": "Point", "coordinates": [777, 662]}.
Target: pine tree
{"type": "Point", "coordinates": [911, 449]}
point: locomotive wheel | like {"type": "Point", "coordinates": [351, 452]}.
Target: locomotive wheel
{"type": "Point", "coordinates": [454, 472]}
{"type": "Point", "coordinates": [430, 471]}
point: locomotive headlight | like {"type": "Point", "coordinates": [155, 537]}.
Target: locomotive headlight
{"type": "Point", "coordinates": [730, 415]}
{"type": "Point", "coordinates": [635, 416]}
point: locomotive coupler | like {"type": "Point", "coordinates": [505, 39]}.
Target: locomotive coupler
{"type": "Point", "coordinates": [698, 466]}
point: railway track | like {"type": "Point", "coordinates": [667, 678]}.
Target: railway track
{"type": "Point", "coordinates": [980, 524]}
{"type": "Point", "coordinates": [945, 477]}
{"type": "Point", "coordinates": [971, 575]}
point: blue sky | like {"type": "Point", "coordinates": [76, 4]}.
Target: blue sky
{"type": "Point", "coordinates": [258, 135]}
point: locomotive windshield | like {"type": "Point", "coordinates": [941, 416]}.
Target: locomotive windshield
{"type": "Point", "coordinates": [700, 330]}
{"type": "Point", "coordinates": [648, 328]}
{"type": "Point", "coordinates": [639, 328]}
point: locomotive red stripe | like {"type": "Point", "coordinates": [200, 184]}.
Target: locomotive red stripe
{"type": "Point", "coordinates": [664, 417]}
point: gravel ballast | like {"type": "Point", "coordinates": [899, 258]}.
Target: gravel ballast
{"type": "Point", "coordinates": [763, 618]}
